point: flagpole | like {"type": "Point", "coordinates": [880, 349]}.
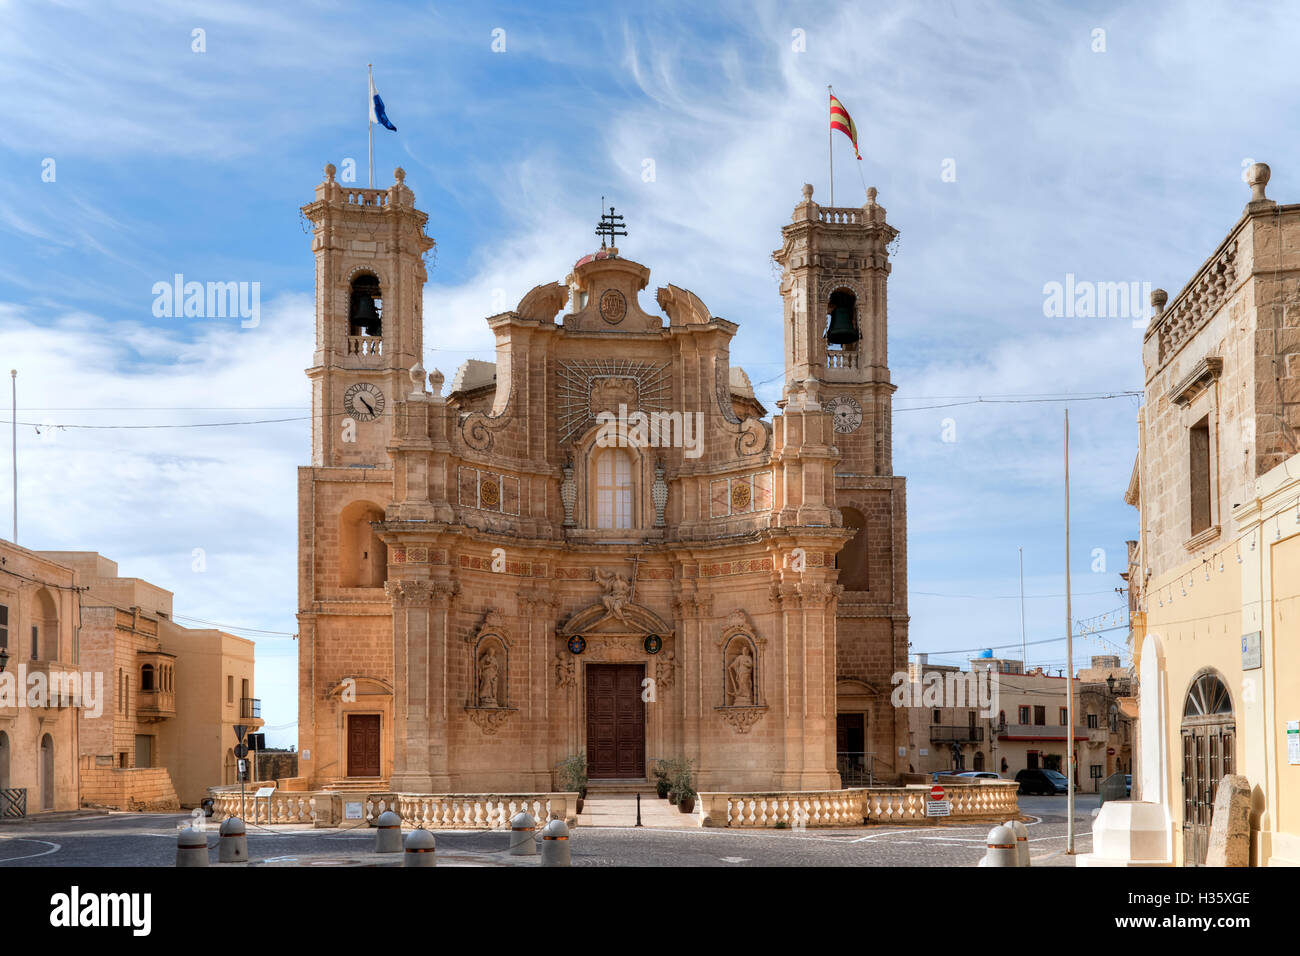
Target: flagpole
{"type": "Point", "coordinates": [1069, 659]}
{"type": "Point", "coordinates": [830, 152]}
{"type": "Point", "coordinates": [370, 124]}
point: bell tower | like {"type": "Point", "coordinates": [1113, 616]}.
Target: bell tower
{"type": "Point", "coordinates": [835, 265]}
{"type": "Point", "coordinates": [369, 246]}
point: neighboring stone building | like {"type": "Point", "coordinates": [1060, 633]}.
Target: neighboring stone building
{"type": "Point", "coordinates": [40, 692]}
{"type": "Point", "coordinates": [1216, 568]}
{"type": "Point", "coordinates": [1026, 730]}
{"type": "Point", "coordinates": [172, 694]}
{"type": "Point", "coordinates": [486, 584]}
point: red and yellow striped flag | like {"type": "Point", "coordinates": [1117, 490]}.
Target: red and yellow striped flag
{"type": "Point", "coordinates": [841, 121]}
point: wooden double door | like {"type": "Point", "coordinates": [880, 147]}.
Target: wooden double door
{"type": "Point", "coordinates": [363, 745]}
{"type": "Point", "coordinates": [615, 721]}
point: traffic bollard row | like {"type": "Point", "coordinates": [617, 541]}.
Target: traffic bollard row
{"type": "Point", "coordinates": [388, 833]}
{"type": "Point", "coordinates": [555, 844]}
{"type": "Point", "coordinates": [420, 847]}
{"type": "Point", "coordinates": [1001, 848]}
{"type": "Point", "coordinates": [522, 830]}
{"type": "Point", "coordinates": [1022, 841]}
{"type": "Point", "coordinates": [191, 848]}
{"type": "Point", "coordinates": [233, 847]}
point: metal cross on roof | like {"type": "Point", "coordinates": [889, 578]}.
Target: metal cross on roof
{"type": "Point", "coordinates": [610, 225]}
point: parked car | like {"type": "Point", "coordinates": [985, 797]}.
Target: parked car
{"type": "Point", "coordinates": [1041, 781]}
{"type": "Point", "coordinates": [1128, 785]}
{"type": "Point", "coordinates": [984, 774]}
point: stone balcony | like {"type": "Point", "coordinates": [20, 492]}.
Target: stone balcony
{"type": "Point", "coordinates": [1040, 732]}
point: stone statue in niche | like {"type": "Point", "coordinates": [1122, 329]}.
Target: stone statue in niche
{"type": "Point", "coordinates": [488, 675]}
{"type": "Point", "coordinates": [740, 678]}
{"type": "Point", "coordinates": [618, 592]}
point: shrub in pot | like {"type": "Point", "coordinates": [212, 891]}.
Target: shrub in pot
{"type": "Point", "coordinates": [573, 776]}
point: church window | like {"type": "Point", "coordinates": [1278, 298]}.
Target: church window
{"type": "Point", "coordinates": [614, 487]}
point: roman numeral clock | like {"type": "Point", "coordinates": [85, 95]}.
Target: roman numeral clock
{"type": "Point", "coordinates": [363, 401]}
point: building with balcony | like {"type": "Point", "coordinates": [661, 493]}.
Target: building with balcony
{"type": "Point", "coordinates": [172, 694]}
{"type": "Point", "coordinates": [40, 683]}
{"type": "Point", "coordinates": [1215, 571]}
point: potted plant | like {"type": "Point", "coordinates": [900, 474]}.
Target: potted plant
{"type": "Point", "coordinates": [573, 777]}
{"type": "Point", "coordinates": [683, 787]}
{"type": "Point", "coordinates": [663, 771]}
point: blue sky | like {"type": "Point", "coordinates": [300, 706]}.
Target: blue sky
{"type": "Point", "coordinates": [1122, 165]}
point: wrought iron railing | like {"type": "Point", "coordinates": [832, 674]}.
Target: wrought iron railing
{"type": "Point", "coordinates": [955, 733]}
{"type": "Point", "coordinates": [13, 802]}
{"type": "Point", "coordinates": [855, 768]}
{"type": "Point", "coordinates": [250, 707]}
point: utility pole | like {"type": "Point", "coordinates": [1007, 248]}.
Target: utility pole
{"type": "Point", "coordinates": [13, 431]}
{"type": "Point", "coordinates": [1024, 648]}
{"type": "Point", "coordinates": [1069, 658]}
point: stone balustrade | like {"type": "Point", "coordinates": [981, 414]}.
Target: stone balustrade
{"type": "Point", "coordinates": [856, 807]}
{"type": "Point", "coordinates": [443, 811]}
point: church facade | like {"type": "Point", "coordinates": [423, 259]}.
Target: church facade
{"type": "Point", "coordinates": [601, 543]}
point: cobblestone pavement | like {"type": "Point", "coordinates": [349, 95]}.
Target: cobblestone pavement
{"type": "Point", "coordinates": [138, 839]}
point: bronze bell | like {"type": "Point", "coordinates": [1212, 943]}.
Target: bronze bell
{"type": "Point", "coordinates": [364, 315]}
{"type": "Point", "coordinates": [842, 331]}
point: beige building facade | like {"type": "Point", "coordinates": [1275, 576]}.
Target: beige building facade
{"type": "Point", "coordinates": [600, 543]}
{"type": "Point", "coordinates": [40, 690]}
{"type": "Point", "coordinates": [1024, 725]}
{"type": "Point", "coordinates": [1215, 573]}
{"type": "Point", "coordinates": [172, 694]}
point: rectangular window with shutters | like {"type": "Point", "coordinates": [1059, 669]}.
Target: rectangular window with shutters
{"type": "Point", "coordinates": [1065, 716]}
{"type": "Point", "coordinates": [1040, 716]}
{"type": "Point", "coordinates": [1199, 466]}
{"type": "Point", "coordinates": [1024, 715]}
{"type": "Point", "coordinates": [1092, 721]}
{"type": "Point", "coordinates": [4, 625]}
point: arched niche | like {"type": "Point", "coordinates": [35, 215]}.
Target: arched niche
{"type": "Point", "coordinates": [852, 558]}
{"type": "Point", "coordinates": [363, 557]}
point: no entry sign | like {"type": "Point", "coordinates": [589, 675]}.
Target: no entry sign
{"type": "Point", "coordinates": [936, 792]}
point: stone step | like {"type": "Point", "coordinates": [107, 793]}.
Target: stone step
{"type": "Point", "coordinates": [357, 785]}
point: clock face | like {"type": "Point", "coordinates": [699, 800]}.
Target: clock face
{"type": "Point", "coordinates": [363, 401]}
{"type": "Point", "coordinates": [846, 413]}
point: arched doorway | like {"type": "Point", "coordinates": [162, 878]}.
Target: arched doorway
{"type": "Point", "coordinates": [47, 772]}
{"type": "Point", "coordinates": [1209, 744]}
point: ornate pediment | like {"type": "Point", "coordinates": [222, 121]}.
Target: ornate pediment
{"type": "Point", "coordinates": [615, 613]}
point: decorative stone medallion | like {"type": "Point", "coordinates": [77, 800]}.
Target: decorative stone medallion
{"type": "Point", "coordinates": [613, 307]}
{"type": "Point", "coordinates": [577, 644]}
{"type": "Point", "coordinates": [740, 496]}
{"type": "Point", "coordinates": [489, 492]}
{"type": "Point", "coordinates": [653, 643]}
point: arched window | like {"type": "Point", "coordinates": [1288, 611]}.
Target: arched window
{"type": "Point", "coordinates": [842, 320]}
{"type": "Point", "coordinates": [146, 677]}
{"type": "Point", "coordinates": [45, 627]}
{"type": "Point", "coordinates": [365, 309]}
{"type": "Point", "coordinates": [613, 485]}
{"type": "Point", "coordinates": [852, 559]}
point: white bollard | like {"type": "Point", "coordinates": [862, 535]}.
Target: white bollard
{"type": "Point", "coordinates": [233, 847]}
{"type": "Point", "coordinates": [420, 847]}
{"type": "Point", "coordinates": [1022, 841]}
{"type": "Point", "coordinates": [555, 844]}
{"type": "Point", "coordinates": [388, 833]}
{"type": "Point", "coordinates": [191, 848]}
{"type": "Point", "coordinates": [1001, 848]}
{"type": "Point", "coordinates": [522, 828]}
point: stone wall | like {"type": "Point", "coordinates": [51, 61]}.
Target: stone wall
{"type": "Point", "coordinates": [143, 788]}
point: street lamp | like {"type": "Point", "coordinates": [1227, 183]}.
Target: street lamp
{"type": "Point", "coordinates": [1110, 684]}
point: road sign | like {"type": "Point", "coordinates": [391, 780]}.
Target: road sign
{"type": "Point", "coordinates": [938, 808]}
{"type": "Point", "coordinates": [241, 750]}
{"type": "Point", "coordinates": [240, 730]}
{"type": "Point", "coordinates": [936, 792]}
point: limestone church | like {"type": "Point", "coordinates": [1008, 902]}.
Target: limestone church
{"type": "Point", "coordinates": [496, 578]}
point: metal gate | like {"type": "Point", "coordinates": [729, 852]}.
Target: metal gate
{"type": "Point", "coordinates": [1209, 742]}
